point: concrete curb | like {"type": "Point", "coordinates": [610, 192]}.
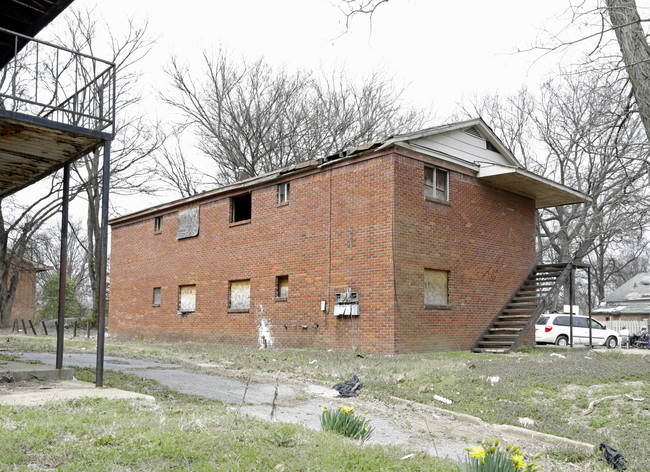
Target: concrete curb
{"type": "Point", "coordinates": [506, 428]}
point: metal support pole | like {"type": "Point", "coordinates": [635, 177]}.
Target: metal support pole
{"type": "Point", "coordinates": [31, 325]}
{"type": "Point", "coordinates": [591, 344]}
{"type": "Point", "coordinates": [44, 327]}
{"type": "Point", "coordinates": [101, 321]}
{"type": "Point", "coordinates": [571, 294]}
{"type": "Point", "coordinates": [63, 267]}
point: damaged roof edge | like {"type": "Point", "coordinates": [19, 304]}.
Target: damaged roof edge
{"type": "Point", "coordinates": [200, 197]}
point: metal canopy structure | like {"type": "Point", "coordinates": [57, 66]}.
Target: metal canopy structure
{"type": "Point", "coordinates": [56, 105]}
{"type": "Point", "coordinates": [28, 18]}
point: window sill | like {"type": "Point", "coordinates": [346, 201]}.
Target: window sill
{"type": "Point", "coordinates": [283, 204]}
{"type": "Point", "coordinates": [240, 223]}
{"type": "Point", "coordinates": [437, 200]}
{"type": "Point", "coordinates": [185, 313]}
{"type": "Point", "coordinates": [156, 306]}
{"type": "Point", "coordinates": [234, 311]}
{"type": "Point", "coordinates": [157, 232]}
{"type": "Point", "coordinates": [280, 299]}
{"type": "Point", "coordinates": [437, 307]}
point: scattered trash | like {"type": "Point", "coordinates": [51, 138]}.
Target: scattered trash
{"type": "Point", "coordinates": [613, 457]}
{"type": "Point", "coordinates": [493, 380]}
{"type": "Point", "coordinates": [312, 362]}
{"type": "Point", "coordinates": [422, 389]}
{"type": "Point", "coordinates": [442, 399]}
{"type": "Point", "coordinates": [408, 456]}
{"type": "Point", "coordinates": [525, 421]}
{"type": "Point", "coordinates": [348, 388]}
{"type": "Point", "coordinates": [359, 355]}
{"type": "Point", "coordinates": [555, 354]}
{"type": "Point", "coordinates": [587, 357]}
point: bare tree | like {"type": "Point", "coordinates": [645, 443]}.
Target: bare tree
{"type": "Point", "coordinates": [249, 116]}
{"type": "Point", "coordinates": [582, 131]}
{"type": "Point", "coordinates": [18, 224]}
{"type": "Point", "coordinates": [136, 138]}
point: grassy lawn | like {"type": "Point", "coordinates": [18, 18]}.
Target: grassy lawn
{"type": "Point", "coordinates": [553, 391]}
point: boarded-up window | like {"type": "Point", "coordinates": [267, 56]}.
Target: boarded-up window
{"type": "Point", "coordinates": [436, 290]}
{"type": "Point", "coordinates": [240, 294]}
{"type": "Point", "coordinates": [188, 223]}
{"type": "Point", "coordinates": [156, 296]}
{"type": "Point", "coordinates": [187, 298]}
{"type": "Point", "coordinates": [282, 283]}
{"type": "Point", "coordinates": [435, 183]}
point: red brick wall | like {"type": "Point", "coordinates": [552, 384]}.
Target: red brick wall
{"type": "Point", "coordinates": [351, 201]}
{"type": "Point", "coordinates": [485, 239]}
{"type": "Point", "coordinates": [24, 306]}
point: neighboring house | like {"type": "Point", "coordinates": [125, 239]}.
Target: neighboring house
{"type": "Point", "coordinates": [24, 306]}
{"type": "Point", "coordinates": [629, 302]}
{"type": "Point", "coordinates": [409, 244]}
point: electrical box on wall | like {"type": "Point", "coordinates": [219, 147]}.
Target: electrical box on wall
{"type": "Point", "coordinates": [347, 297]}
{"type": "Point", "coordinates": [347, 304]}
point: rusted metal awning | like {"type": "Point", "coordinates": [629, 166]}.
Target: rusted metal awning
{"type": "Point", "coordinates": [546, 193]}
{"type": "Point", "coordinates": [31, 149]}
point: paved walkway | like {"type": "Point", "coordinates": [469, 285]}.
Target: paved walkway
{"type": "Point", "coordinates": [419, 427]}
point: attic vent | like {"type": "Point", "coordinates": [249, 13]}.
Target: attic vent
{"type": "Point", "coordinates": [473, 132]}
{"type": "Point", "coordinates": [490, 147]}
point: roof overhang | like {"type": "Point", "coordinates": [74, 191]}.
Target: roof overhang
{"type": "Point", "coordinates": [27, 17]}
{"type": "Point", "coordinates": [32, 148]}
{"type": "Point", "coordinates": [544, 192]}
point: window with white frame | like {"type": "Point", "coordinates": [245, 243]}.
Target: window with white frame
{"type": "Point", "coordinates": [436, 183]}
{"type": "Point", "coordinates": [283, 193]}
{"type": "Point", "coordinates": [157, 224]}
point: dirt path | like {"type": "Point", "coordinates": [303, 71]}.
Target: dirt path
{"type": "Point", "coordinates": [418, 427]}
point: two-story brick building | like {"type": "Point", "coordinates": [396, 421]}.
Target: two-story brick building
{"type": "Point", "coordinates": [412, 243]}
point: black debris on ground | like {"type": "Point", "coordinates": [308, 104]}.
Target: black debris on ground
{"type": "Point", "coordinates": [613, 457]}
{"type": "Point", "coordinates": [349, 388]}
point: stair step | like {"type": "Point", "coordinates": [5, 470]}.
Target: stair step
{"type": "Point", "coordinates": [496, 337]}
{"type": "Point", "coordinates": [491, 350]}
{"type": "Point", "coordinates": [500, 324]}
{"type": "Point", "coordinates": [494, 328]}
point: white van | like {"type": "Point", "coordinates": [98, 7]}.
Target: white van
{"type": "Point", "coordinates": [553, 328]}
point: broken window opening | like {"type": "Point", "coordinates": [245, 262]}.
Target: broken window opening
{"type": "Point", "coordinates": [156, 296]}
{"type": "Point", "coordinates": [240, 208]}
{"type": "Point", "coordinates": [283, 193]}
{"type": "Point", "coordinates": [186, 299]}
{"type": "Point", "coordinates": [282, 286]}
{"type": "Point", "coordinates": [436, 183]}
{"type": "Point", "coordinates": [240, 294]}
{"type": "Point", "coordinates": [436, 288]}
{"type": "Point", "coordinates": [157, 224]}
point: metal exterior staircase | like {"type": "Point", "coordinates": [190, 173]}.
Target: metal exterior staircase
{"type": "Point", "coordinates": [520, 313]}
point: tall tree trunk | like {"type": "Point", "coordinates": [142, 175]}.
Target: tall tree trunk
{"type": "Point", "coordinates": [624, 17]}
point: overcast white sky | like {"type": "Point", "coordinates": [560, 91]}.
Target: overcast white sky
{"type": "Point", "coordinates": [443, 50]}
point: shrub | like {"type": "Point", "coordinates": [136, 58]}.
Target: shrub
{"type": "Point", "coordinates": [492, 458]}
{"type": "Point", "coordinates": [345, 422]}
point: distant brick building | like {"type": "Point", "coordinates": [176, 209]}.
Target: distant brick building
{"type": "Point", "coordinates": [24, 306]}
{"type": "Point", "coordinates": [406, 245]}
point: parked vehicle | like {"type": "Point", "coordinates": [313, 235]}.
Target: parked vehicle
{"type": "Point", "coordinates": [553, 328]}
